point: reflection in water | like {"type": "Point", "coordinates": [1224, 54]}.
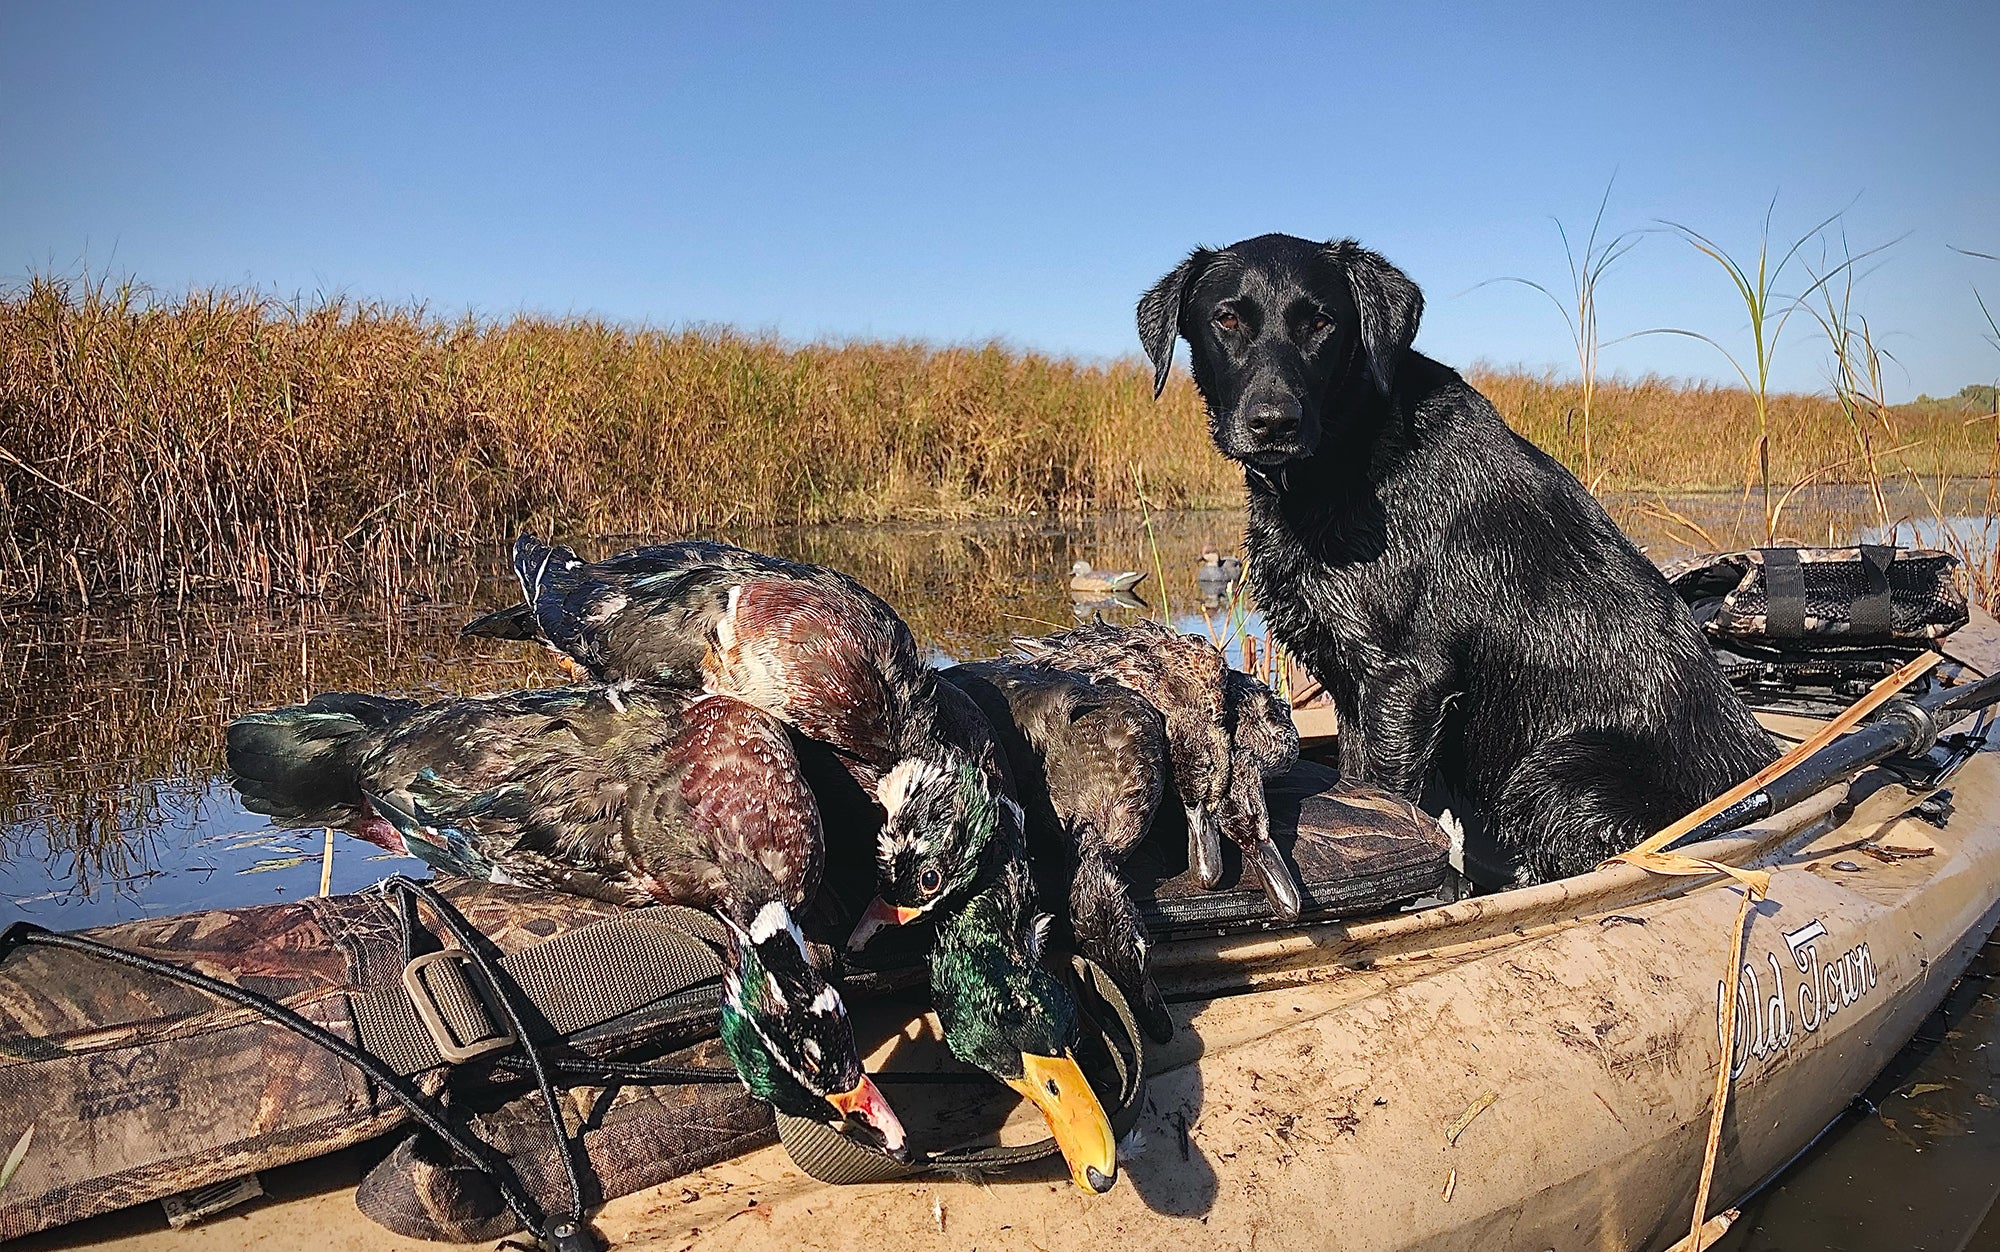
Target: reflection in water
{"type": "Point", "coordinates": [111, 720]}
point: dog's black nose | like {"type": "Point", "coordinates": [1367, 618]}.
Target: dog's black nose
{"type": "Point", "coordinates": [1272, 421]}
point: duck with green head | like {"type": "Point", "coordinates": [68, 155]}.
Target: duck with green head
{"type": "Point", "coordinates": [1003, 1011]}
{"type": "Point", "coordinates": [658, 796]}
{"type": "Point", "coordinates": [1001, 1008]}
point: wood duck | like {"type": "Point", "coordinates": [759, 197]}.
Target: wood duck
{"type": "Point", "coordinates": [1090, 762]}
{"type": "Point", "coordinates": [1004, 1012]}
{"type": "Point", "coordinates": [658, 796]}
{"type": "Point", "coordinates": [1186, 678]}
{"type": "Point", "coordinates": [808, 645]}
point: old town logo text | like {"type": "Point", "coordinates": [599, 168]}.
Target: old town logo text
{"type": "Point", "coordinates": [1777, 1000]}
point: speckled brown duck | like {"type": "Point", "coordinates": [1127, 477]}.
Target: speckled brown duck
{"type": "Point", "coordinates": [808, 645]}
{"type": "Point", "coordinates": [656, 796]}
{"type": "Point", "coordinates": [1186, 678]}
{"type": "Point", "coordinates": [1090, 763]}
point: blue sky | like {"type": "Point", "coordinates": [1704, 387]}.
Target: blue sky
{"type": "Point", "coordinates": [957, 173]}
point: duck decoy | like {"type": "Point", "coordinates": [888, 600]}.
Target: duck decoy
{"type": "Point", "coordinates": [1090, 762]}
{"type": "Point", "coordinates": [1185, 678]}
{"type": "Point", "coordinates": [808, 645]}
{"type": "Point", "coordinates": [1102, 582]}
{"type": "Point", "coordinates": [1217, 576]}
{"type": "Point", "coordinates": [658, 796]}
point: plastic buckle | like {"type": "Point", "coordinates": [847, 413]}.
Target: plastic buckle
{"type": "Point", "coordinates": [433, 1018]}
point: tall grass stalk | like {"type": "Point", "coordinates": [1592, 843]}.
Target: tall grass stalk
{"type": "Point", "coordinates": [1768, 312]}
{"type": "Point", "coordinates": [1579, 311]}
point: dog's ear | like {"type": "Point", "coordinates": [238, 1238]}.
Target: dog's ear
{"type": "Point", "coordinates": [1389, 304]}
{"type": "Point", "coordinates": [1160, 314]}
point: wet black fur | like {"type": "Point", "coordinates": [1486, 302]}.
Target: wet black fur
{"type": "Point", "coordinates": [1478, 619]}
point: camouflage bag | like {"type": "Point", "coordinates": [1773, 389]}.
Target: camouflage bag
{"type": "Point", "coordinates": [1785, 618]}
{"type": "Point", "coordinates": [1796, 599]}
{"type": "Point", "coordinates": [138, 1087]}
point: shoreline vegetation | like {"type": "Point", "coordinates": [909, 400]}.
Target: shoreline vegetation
{"type": "Point", "coordinates": [230, 441]}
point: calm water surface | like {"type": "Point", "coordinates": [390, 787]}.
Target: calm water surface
{"type": "Point", "coordinates": [111, 726]}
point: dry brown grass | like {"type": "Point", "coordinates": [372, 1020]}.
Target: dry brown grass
{"type": "Point", "coordinates": [229, 440]}
{"type": "Point", "coordinates": [1655, 434]}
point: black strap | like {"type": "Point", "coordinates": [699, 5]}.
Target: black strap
{"type": "Point", "coordinates": [576, 980]}
{"type": "Point", "coordinates": [1874, 613]}
{"type": "Point", "coordinates": [1784, 593]}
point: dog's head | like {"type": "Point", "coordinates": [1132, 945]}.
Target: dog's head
{"type": "Point", "coordinates": [1276, 326]}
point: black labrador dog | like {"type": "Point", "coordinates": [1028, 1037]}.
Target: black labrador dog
{"type": "Point", "coordinates": [1479, 621]}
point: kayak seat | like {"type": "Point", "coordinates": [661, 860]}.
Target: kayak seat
{"type": "Point", "coordinates": [1357, 850]}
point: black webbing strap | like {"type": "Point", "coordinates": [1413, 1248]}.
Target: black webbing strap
{"type": "Point", "coordinates": [1874, 613]}
{"type": "Point", "coordinates": [1784, 593]}
{"type": "Point", "coordinates": [442, 1012]}
{"type": "Point", "coordinates": [829, 1156]}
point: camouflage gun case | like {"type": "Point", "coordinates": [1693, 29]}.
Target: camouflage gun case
{"type": "Point", "coordinates": [138, 1089]}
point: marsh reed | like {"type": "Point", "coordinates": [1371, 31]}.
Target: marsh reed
{"type": "Point", "coordinates": [225, 440]}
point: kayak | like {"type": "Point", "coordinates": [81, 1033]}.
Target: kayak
{"type": "Point", "coordinates": [1531, 1069]}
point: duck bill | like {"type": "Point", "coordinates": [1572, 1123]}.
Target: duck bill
{"type": "Point", "coordinates": [865, 1103]}
{"type": "Point", "coordinates": [879, 915]}
{"type": "Point", "coordinates": [1058, 1088]}
{"type": "Point", "coordinates": [1204, 846]}
{"type": "Point", "coordinates": [1281, 886]}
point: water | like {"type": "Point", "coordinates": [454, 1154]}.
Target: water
{"type": "Point", "coordinates": [111, 727]}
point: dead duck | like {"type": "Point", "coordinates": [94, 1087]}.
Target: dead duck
{"type": "Point", "coordinates": [663, 796]}
{"type": "Point", "coordinates": [808, 645]}
{"type": "Point", "coordinates": [1004, 1012]}
{"type": "Point", "coordinates": [1082, 578]}
{"type": "Point", "coordinates": [1186, 678]}
{"type": "Point", "coordinates": [1089, 761]}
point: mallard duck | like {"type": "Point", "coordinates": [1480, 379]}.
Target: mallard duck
{"type": "Point", "coordinates": [1102, 582]}
{"type": "Point", "coordinates": [1003, 1012]}
{"type": "Point", "coordinates": [1090, 762]}
{"type": "Point", "coordinates": [660, 796]}
{"type": "Point", "coordinates": [1186, 678]}
{"type": "Point", "coordinates": [808, 645]}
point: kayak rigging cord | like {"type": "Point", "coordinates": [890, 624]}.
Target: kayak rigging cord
{"type": "Point", "coordinates": [1907, 727]}
{"type": "Point", "coordinates": [1712, 1147]}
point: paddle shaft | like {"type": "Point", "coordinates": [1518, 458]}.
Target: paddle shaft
{"type": "Point", "coordinates": [1904, 726]}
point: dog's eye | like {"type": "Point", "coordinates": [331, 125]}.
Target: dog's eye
{"type": "Point", "coordinates": [1319, 323]}
{"type": "Point", "coordinates": [1228, 320]}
